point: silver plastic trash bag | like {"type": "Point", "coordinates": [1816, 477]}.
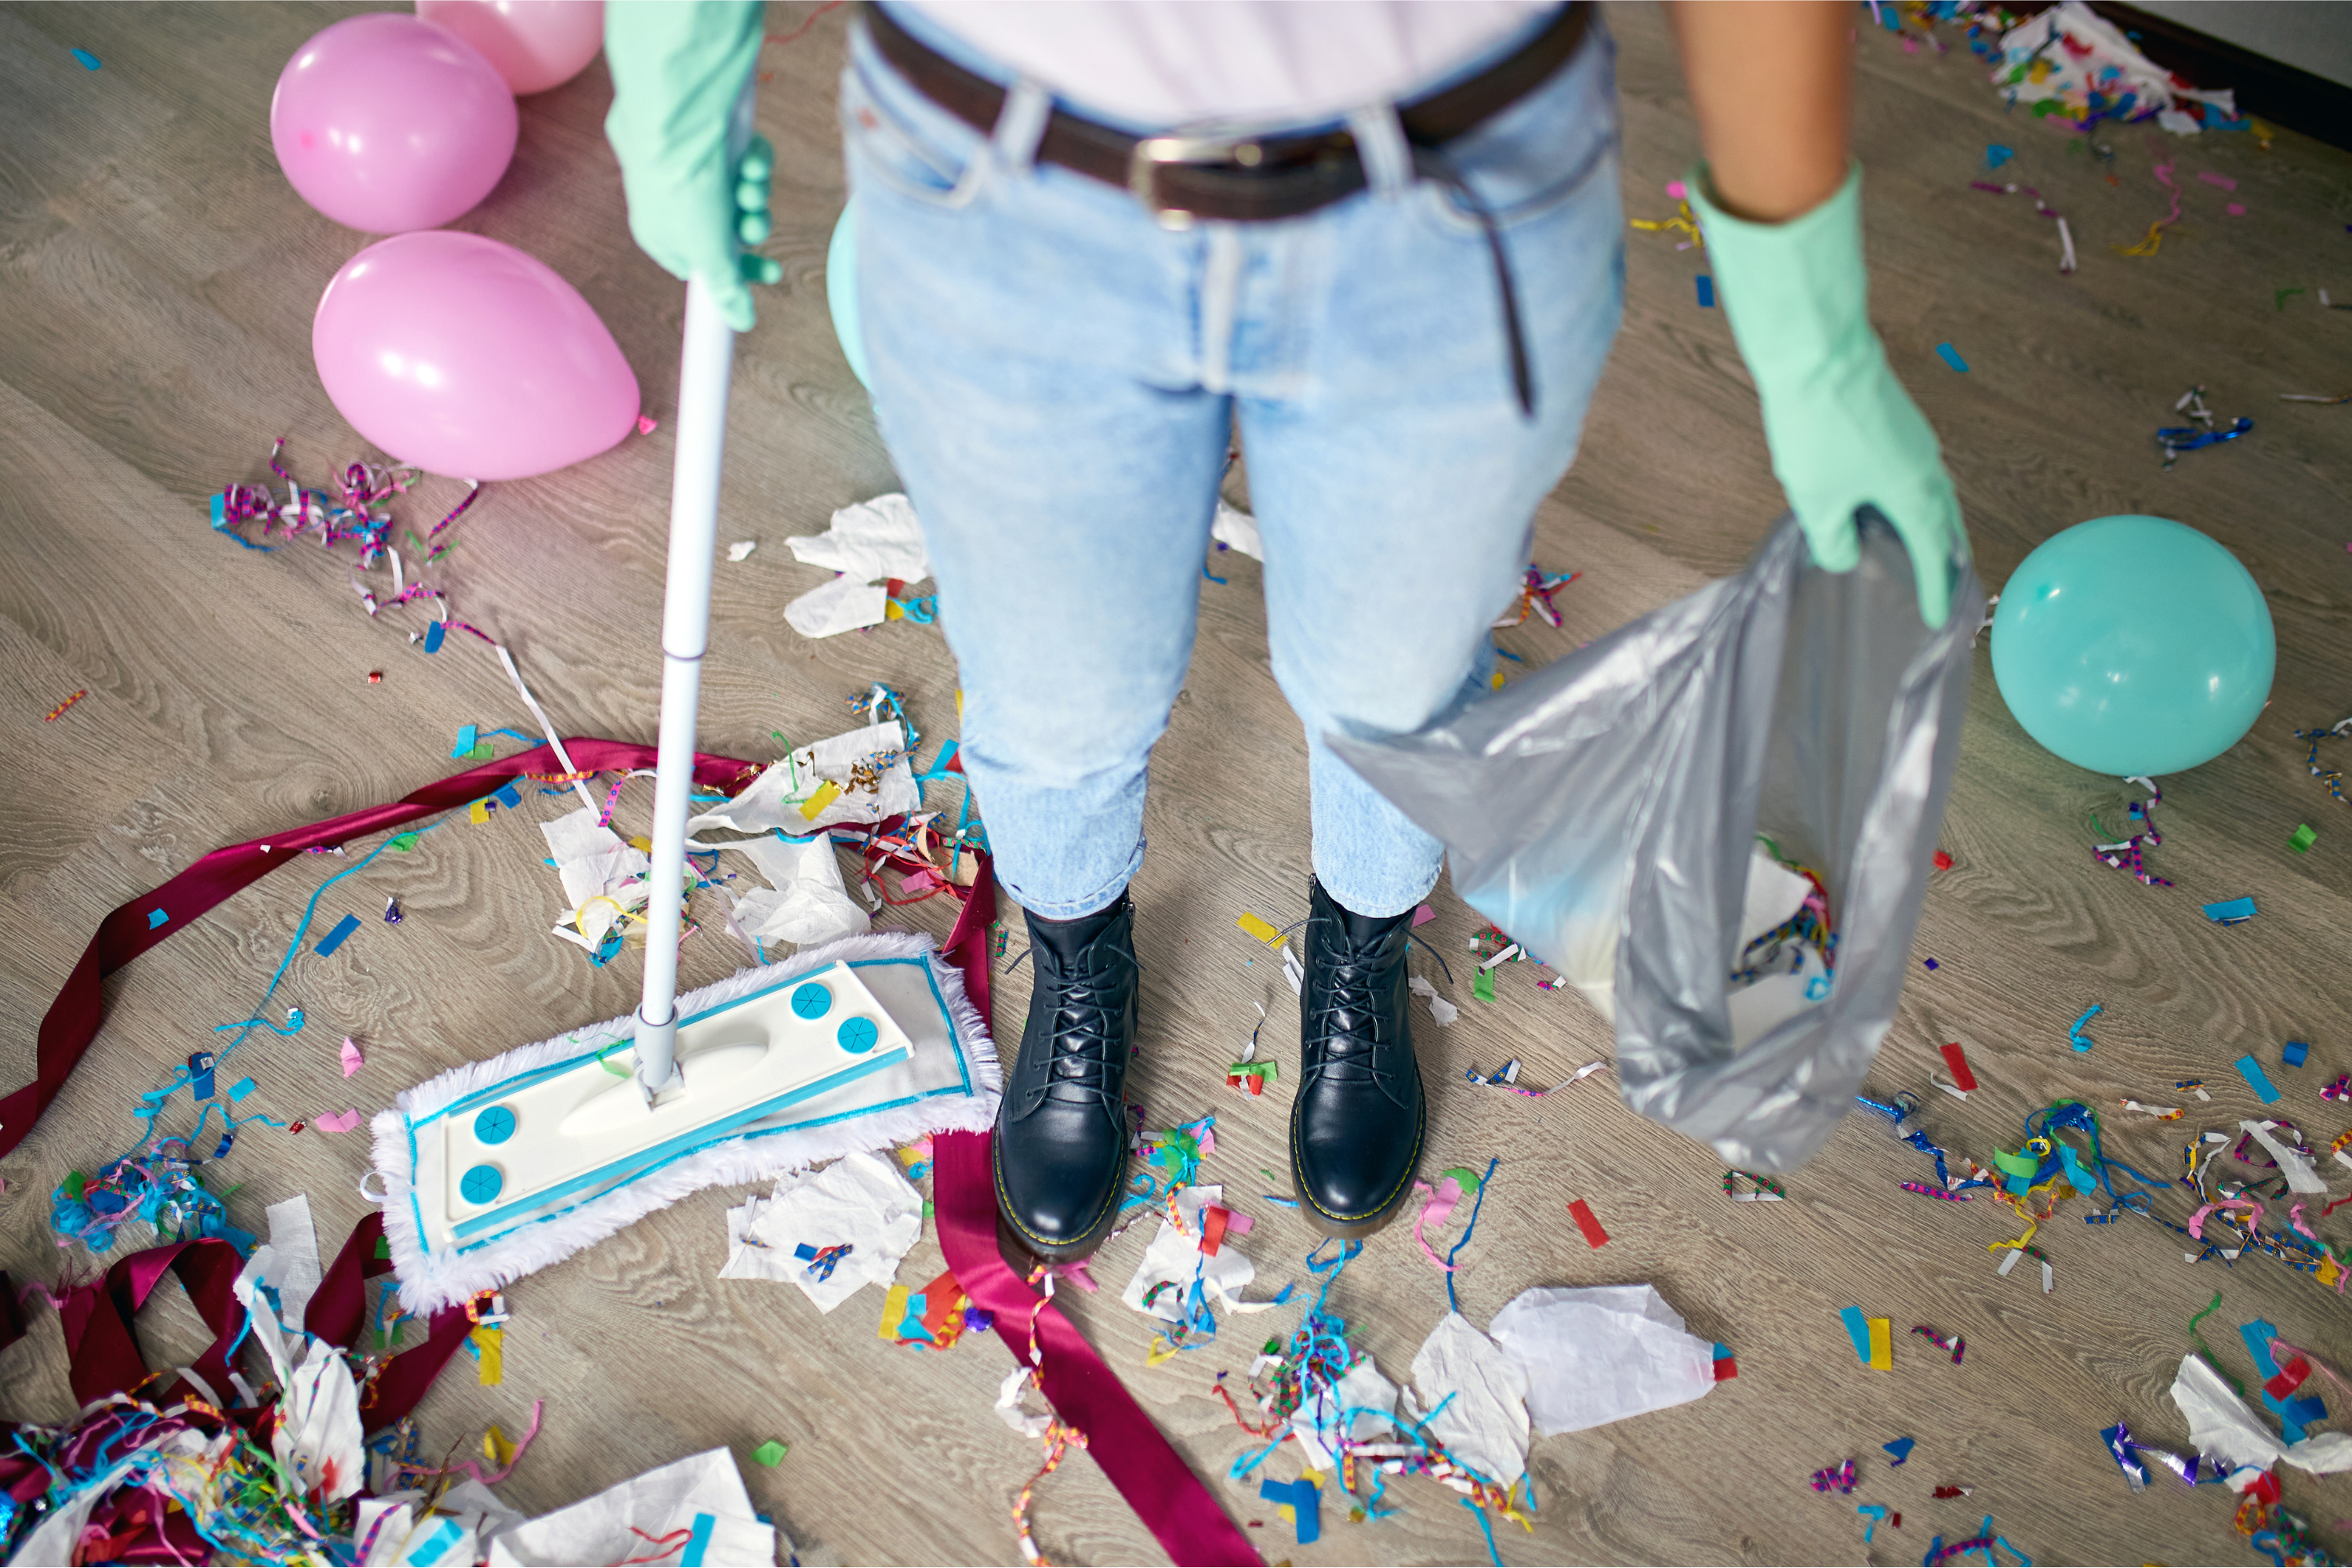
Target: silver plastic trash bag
{"type": "Point", "coordinates": [1603, 812]}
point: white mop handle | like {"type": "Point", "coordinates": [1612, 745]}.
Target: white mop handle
{"type": "Point", "coordinates": [703, 373]}
{"type": "Point", "coordinates": [704, 366]}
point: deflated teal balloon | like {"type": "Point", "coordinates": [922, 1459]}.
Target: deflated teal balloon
{"type": "Point", "coordinates": [841, 292]}
{"type": "Point", "coordinates": [2134, 644]}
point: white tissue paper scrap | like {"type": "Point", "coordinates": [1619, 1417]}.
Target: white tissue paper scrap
{"type": "Point", "coordinates": [602, 874]}
{"type": "Point", "coordinates": [1323, 1412]}
{"type": "Point", "coordinates": [2301, 1175]}
{"type": "Point", "coordinates": [868, 787]}
{"type": "Point", "coordinates": [741, 548]}
{"type": "Point", "coordinates": [1774, 896]}
{"type": "Point", "coordinates": [868, 544]}
{"type": "Point", "coordinates": [1596, 1355]}
{"type": "Point", "coordinates": [843, 604]}
{"type": "Point", "coordinates": [871, 541]}
{"type": "Point", "coordinates": [702, 1496]}
{"type": "Point", "coordinates": [318, 1436]}
{"type": "Point", "coordinates": [1011, 1406]}
{"type": "Point", "coordinates": [2220, 1424]}
{"type": "Point", "coordinates": [805, 901]}
{"type": "Point", "coordinates": [1175, 1258]}
{"type": "Point", "coordinates": [389, 1531]}
{"type": "Point", "coordinates": [1442, 1010]}
{"type": "Point", "coordinates": [2083, 52]}
{"type": "Point", "coordinates": [1237, 529]}
{"type": "Point", "coordinates": [295, 1274]}
{"type": "Point", "coordinates": [861, 1199]}
{"type": "Point", "coordinates": [1484, 1424]}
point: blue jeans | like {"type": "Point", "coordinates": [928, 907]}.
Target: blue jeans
{"type": "Point", "coordinates": [1056, 376]}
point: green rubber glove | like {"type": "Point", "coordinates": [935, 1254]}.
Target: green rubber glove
{"type": "Point", "coordinates": [1844, 433]}
{"type": "Point", "coordinates": [677, 69]}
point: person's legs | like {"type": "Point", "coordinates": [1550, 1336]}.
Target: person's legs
{"type": "Point", "coordinates": [1033, 339]}
{"type": "Point", "coordinates": [1395, 480]}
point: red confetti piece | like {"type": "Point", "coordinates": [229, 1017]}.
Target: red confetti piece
{"type": "Point", "coordinates": [1958, 1061]}
{"type": "Point", "coordinates": [61, 707]}
{"type": "Point", "coordinates": [1943, 861]}
{"type": "Point", "coordinates": [376, 677]}
{"type": "Point", "coordinates": [1582, 1214]}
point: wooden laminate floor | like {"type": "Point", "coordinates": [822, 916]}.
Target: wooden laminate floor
{"type": "Point", "coordinates": [157, 276]}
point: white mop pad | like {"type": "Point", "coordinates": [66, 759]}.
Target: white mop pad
{"type": "Point", "coordinates": [949, 1082]}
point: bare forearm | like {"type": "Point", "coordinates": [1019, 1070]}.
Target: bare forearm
{"type": "Point", "coordinates": [1771, 83]}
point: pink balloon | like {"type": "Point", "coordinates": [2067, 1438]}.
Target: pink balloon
{"type": "Point", "coordinates": [535, 44]}
{"type": "Point", "coordinates": [387, 123]}
{"type": "Point", "coordinates": [468, 357]}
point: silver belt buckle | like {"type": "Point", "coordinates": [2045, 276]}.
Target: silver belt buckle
{"type": "Point", "coordinates": [1154, 152]}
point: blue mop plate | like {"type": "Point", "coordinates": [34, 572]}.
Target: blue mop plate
{"type": "Point", "coordinates": [499, 1168]}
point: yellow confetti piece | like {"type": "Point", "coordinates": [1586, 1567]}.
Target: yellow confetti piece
{"type": "Point", "coordinates": [1881, 1347]}
{"type": "Point", "coordinates": [479, 812]}
{"type": "Point", "coordinates": [1160, 1352]}
{"type": "Point", "coordinates": [1258, 929]}
{"type": "Point", "coordinates": [814, 807]}
{"type": "Point", "coordinates": [894, 1312]}
{"type": "Point", "coordinates": [495, 1446]}
{"type": "Point", "coordinates": [491, 1341]}
{"type": "Point", "coordinates": [2328, 1271]}
{"type": "Point", "coordinates": [642, 844]}
{"type": "Point", "coordinates": [893, 611]}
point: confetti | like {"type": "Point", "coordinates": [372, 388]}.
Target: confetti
{"type": "Point", "coordinates": [2303, 837]}
{"type": "Point", "coordinates": [351, 1059]}
{"type": "Point", "coordinates": [1582, 1214]}
{"type": "Point", "coordinates": [2231, 911]}
{"type": "Point", "coordinates": [1951, 356]}
{"type": "Point", "coordinates": [335, 939]}
{"type": "Point", "coordinates": [88, 62]}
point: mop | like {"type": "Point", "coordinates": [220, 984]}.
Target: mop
{"type": "Point", "coordinates": [497, 1168]}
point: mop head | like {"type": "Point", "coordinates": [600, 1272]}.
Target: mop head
{"type": "Point", "coordinates": [933, 1068]}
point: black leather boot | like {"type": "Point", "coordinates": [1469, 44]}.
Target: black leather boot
{"type": "Point", "coordinates": [1357, 1124]}
{"type": "Point", "coordinates": [1061, 1130]}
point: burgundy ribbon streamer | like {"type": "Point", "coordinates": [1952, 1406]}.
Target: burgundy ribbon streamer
{"type": "Point", "coordinates": [72, 1020]}
{"type": "Point", "coordinates": [1152, 1476]}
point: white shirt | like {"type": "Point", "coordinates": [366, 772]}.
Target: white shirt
{"type": "Point", "coordinates": [1172, 62]}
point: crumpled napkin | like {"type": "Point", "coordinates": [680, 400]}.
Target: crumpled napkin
{"type": "Point", "coordinates": [1484, 1426]}
{"type": "Point", "coordinates": [1596, 1355]}
{"type": "Point", "coordinates": [868, 544]}
{"type": "Point", "coordinates": [702, 1496]}
{"type": "Point", "coordinates": [804, 901]}
{"type": "Point", "coordinates": [860, 1199]}
{"type": "Point", "coordinates": [2220, 1426]}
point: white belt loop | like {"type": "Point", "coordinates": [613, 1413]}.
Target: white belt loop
{"type": "Point", "coordinates": [1021, 125]}
{"type": "Point", "coordinates": [1380, 143]}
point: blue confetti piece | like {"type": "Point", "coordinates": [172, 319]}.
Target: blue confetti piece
{"type": "Point", "coordinates": [1996, 155]}
{"type": "Point", "coordinates": [1305, 1502]}
{"type": "Point", "coordinates": [1951, 356]}
{"type": "Point", "coordinates": [1858, 1326]}
{"type": "Point", "coordinates": [2231, 911]}
{"type": "Point", "coordinates": [1706, 292]}
{"type": "Point", "coordinates": [156, 918]}
{"type": "Point", "coordinates": [2251, 1071]}
{"type": "Point", "coordinates": [510, 797]}
{"type": "Point", "coordinates": [1901, 1449]}
{"type": "Point", "coordinates": [2074, 1036]}
{"type": "Point", "coordinates": [240, 1088]}
{"type": "Point", "coordinates": [2294, 1053]}
{"type": "Point", "coordinates": [335, 939]}
{"type": "Point", "coordinates": [89, 63]}
{"type": "Point", "coordinates": [469, 737]}
{"type": "Point", "coordinates": [433, 635]}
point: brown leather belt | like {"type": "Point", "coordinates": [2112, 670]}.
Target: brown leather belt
{"type": "Point", "coordinates": [1235, 178]}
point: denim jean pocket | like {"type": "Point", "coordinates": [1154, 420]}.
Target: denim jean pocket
{"type": "Point", "coordinates": [1537, 154]}
{"type": "Point", "coordinates": [895, 137]}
